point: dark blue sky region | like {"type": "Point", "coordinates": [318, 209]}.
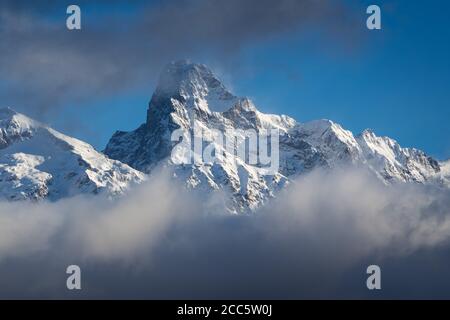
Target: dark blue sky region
{"type": "Point", "coordinates": [395, 81]}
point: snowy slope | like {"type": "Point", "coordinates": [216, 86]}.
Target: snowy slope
{"type": "Point", "coordinates": [444, 175]}
{"type": "Point", "coordinates": [387, 158]}
{"type": "Point", "coordinates": [190, 95]}
{"type": "Point", "coordinates": [38, 162]}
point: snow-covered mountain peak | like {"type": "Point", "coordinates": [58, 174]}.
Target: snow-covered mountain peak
{"type": "Point", "coordinates": [245, 115]}
{"type": "Point", "coordinates": [15, 126]}
{"type": "Point", "coordinates": [395, 163]}
{"type": "Point", "coordinates": [189, 95]}
{"type": "Point", "coordinates": [367, 132]}
{"type": "Point", "coordinates": [369, 136]}
{"type": "Point", "coordinates": [8, 114]}
{"type": "Point", "coordinates": [326, 133]}
{"type": "Point", "coordinates": [39, 162]}
{"type": "Point", "coordinates": [195, 85]}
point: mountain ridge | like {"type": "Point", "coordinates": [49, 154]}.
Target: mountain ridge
{"type": "Point", "coordinates": [38, 162]}
{"type": "Point", "coordinates": [303, 146]}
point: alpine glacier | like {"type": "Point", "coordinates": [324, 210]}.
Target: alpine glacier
{"type": "Point", "coordinates": [190, 95]}
{"type": "Point", "coordinates": [37, 162]}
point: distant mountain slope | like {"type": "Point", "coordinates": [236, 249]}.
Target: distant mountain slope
{"type": "Point", "coordinates": [444, 175]}
{"type": "Point", "coordinates": [37, 162]}
{"type": "Point", "coordinates": [189, 95]}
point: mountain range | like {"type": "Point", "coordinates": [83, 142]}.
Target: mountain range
{"type": "Point", "coordinates": [37, 162]}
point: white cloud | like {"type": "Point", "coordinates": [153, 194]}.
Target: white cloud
{"type": "Point", "coordinates": [315, 240]}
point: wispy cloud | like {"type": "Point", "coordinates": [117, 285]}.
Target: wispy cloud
{"type": "Point", "coordinates": [45, 67]}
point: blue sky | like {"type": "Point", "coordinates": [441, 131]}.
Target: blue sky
{"type": "Point", "coordinates": [395, 81]}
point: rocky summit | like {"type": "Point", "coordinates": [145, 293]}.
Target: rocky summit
{"type": "Point", "coordinates": [191, 96]}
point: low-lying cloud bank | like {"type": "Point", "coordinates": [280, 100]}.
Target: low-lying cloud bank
{"type": "Point", "coordinates": [314, 241]}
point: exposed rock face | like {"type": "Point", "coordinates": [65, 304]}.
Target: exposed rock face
{"type": "Point", "coordinates": [190, 95]}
